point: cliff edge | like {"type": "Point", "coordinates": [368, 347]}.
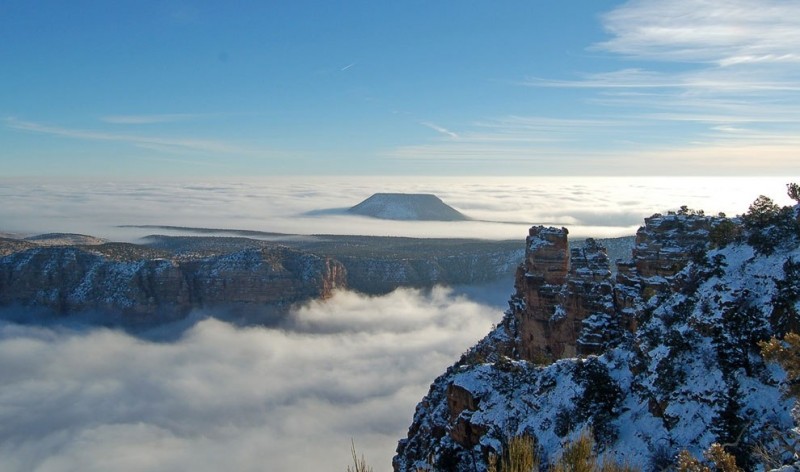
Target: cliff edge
{"type": "Point", "coordinates": [661, 358]}
{"type": "Point", "coordinates": [130, 284]}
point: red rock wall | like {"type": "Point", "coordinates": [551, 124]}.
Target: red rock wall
{"type": "Point", "coordinates": [558, 288]}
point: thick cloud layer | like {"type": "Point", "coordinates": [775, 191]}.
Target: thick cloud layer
{"type": "Point", "coordinates": [222, 397]}
{"type": "Point", "coordinates": [588, 206]}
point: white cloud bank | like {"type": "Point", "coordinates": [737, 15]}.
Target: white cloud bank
{"type": "Point", "coordinates": [587, 206]}
{"type": "Point", "coordinates": [228, 398]}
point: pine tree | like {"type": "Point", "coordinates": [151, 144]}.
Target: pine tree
{"type": "Point", "coordinates": [731, 427]}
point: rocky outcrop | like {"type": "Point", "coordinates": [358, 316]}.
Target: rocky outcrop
{"type": "Point", "coordinates": [378, 265]}
{"type": "Point", "coordinates": [543, 327]}
{"type": "Point", "coordinates": [566, 302]}
{"type": "Point", "coordinates": [664, 246]}
{"type": "Point", "coordinates": [590, 297]}
{"type": "Point", "coordinates": [665, 357]}
{"type": "Point", "coordinates": [460, 405]}
{"type": "Point", "coordinates": [557, 289]}
{"type": "Point", "coordinates": [379, 275]}
{"type": "Point", "coordinates": [130, 286]}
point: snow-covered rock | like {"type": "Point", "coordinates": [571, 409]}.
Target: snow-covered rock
{"type": "Point", "coordinates": [407, 206]}
{"type": "Point", "coordinates": [130, 284]}
{"type": "Point", "coordinates": [678, 365]}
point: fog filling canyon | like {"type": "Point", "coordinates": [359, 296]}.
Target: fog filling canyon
{"type": "Point", "coordinates": [208, 395]}
{"type": "Point", "coordinates": [605, 207]}
{"type": "Point", "coordinates": [227, 397]}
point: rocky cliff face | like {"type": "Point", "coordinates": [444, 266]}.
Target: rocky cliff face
{"type": "Point", "coordinates": [379, 275]}
{"type": "Point", "coordinates": [566, 299]}
{"type": "Point", "coordinates": [662, 358]}
{"type": "Point", "coordinates": [139, 286]}
{"type": "Point", "coordinates": [173, 274]}
{"type": "Point", "coordinates": [378, 265]}
{"type": "Point", "coordinates": [556, 290]}
{"type": "Point", "coordinates": [665, 245]}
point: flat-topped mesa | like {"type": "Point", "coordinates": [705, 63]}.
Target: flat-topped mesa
{"type": "Point", "coordinates": [556, 289]}
{"type": "Point", "coordinates": [407, 206]}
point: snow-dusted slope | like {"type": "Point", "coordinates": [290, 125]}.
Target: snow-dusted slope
{"type": "Point", "coordinates": [686, 375]}
{"type": "Point", "coordinates": [407, 206]}
{"type": "Point", "coordinates": [130, 284]}
{"type": "Point", "coordinates": [65, 239]}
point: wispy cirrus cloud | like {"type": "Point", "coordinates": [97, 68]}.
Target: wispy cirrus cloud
{"type": "Point", "coordinates": [714, 81]}
{"type": "Point", "coordinates": [558, 144]}
{"type": "Point", "coordinates": [719, 32]}
{"type": "Point", "coordinates": [707, 87]}
{"type": "Point", "coordinates": [617, 147]}
{"type": "Point", "coordinates": [726, 72]}
{"type": "Point", "coordinates": [524, 129]}
{"type": "Point", "coordinates": [701, 48]}
{"type": "Point", "coordinates": [439, 129]}
{"type": "Point", "coordinates": [162, 143]}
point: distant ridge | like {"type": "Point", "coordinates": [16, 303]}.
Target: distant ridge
{"type": "Point", "coordinates": [65, 239]}
{"type": "Point", "coordinates": [408, 207]}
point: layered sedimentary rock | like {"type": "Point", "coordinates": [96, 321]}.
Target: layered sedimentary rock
{"type": "Point", "coordinates": [379, 275]}
{"type": "Point", "coordinates": [378, 265]}
{"type": "Point", "coordinates": [665, 244]}
{"type": "Point", "coordinates": [677, 362]}
{"type": "Point", "coordinates": [556, 290]}
{"type": "Point", "coordinates": [123, 282]}
{"type": "Point", "coordinates": [544, 330]}
{"type": "Point", "coordinates": [566, 301]}
{"type": "Point", "coordinates": [590, 297]}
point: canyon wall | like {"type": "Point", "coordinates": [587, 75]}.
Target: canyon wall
{"type": "Point", "coordinates": [566, 301]}
{"type": "Point", "coordinates": [661, 357]}
{"type": "Point", "coordinates": [135, 287]}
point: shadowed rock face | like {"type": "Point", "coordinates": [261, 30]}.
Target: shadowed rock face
{"type": "Point", "coordinates": [147, 289]}
{"type": "Point", "coordinates": [407, 206]}
{"type": "Point", "coordinates": [382, 275]}
{"type": "Point", "coordinates": [562, 293]}
{"type": "Point", "coordinates": [248, 279]}
{"type": "Point", "coordinates": [557, 288]}
{"type": "Point", "coordinates": [675, 341]}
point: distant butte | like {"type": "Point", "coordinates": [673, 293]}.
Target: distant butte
{"type": "Point", "coordinates": [407, 207]}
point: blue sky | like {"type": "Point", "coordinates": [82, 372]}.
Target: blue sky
{"type": "Point", "coordinates": [586, 87]}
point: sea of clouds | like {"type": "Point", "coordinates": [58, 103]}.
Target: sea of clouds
{"type": "Point", "coordinates": [587, 206]}
{"type": "Point", "coordinates": [207, 395]}
{"type": "Point", "coordinates": [225, 397]}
